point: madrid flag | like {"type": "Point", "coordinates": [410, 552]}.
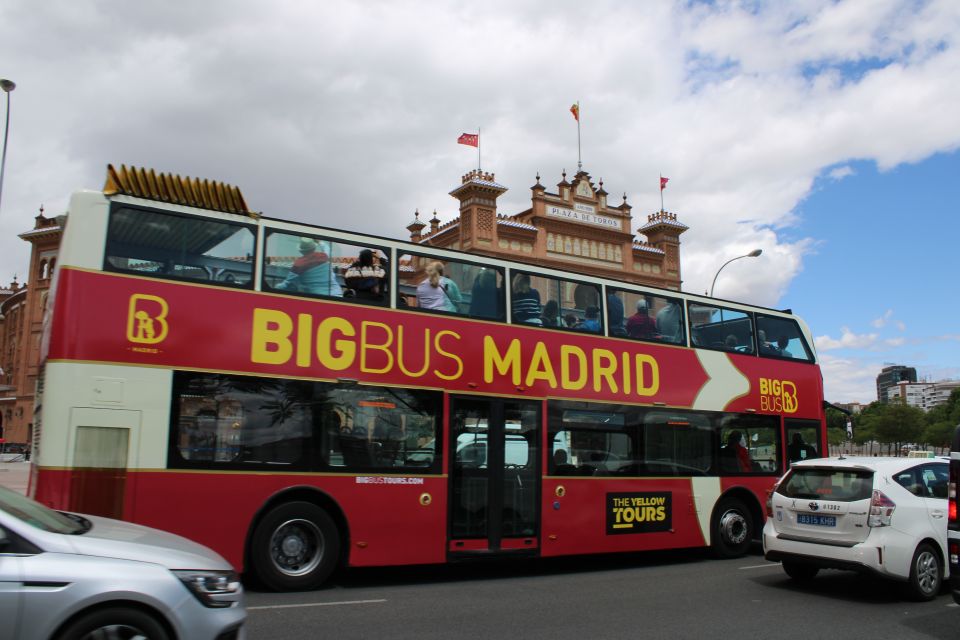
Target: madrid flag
{"type": "Point", "coordinates": [471, 139]}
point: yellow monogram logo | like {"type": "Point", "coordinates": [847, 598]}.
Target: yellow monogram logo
{"type": "Point", "coordinates": [147, 319]}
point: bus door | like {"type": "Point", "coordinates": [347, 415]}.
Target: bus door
{"type": "Point", "coordinates": [101, 442]}
{"type": "Point", "coordinates": [494, 476]}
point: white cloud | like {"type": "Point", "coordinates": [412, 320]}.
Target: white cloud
{"type": "Point", "coordinates": [840, 173]}
{"type": "Point", "coordinates": [847, 340]}
{"type": "Point", "coordinates": [882, 321]}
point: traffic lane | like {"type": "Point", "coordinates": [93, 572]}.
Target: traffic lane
{"type": "Point", "coordinates": [655, 595]}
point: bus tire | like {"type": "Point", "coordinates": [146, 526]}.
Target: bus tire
{"type": "Point", "coordinates": [732, 528]}
{"type": "Point", "coordinates": [114, 622]}
{"type": "Point", "coordinates": [295, 547]}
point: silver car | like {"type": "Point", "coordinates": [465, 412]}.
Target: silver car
{"type": "Point", "coordinates": [65, 576]}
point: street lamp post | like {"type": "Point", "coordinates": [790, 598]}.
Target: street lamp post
{"type": "Point", "coordinates": [752, 254]}
{"type": "Point", "coordinates": [7, 86]}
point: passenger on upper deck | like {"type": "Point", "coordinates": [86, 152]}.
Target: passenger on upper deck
{"type": "Point", "coordinates": [615, 315]}
{"type": "Point", "coordinates": [782, 343]}
{"type": "Point", "coordinates": [641, 325]}
{"type": "Point", "coordinates": [366, 279]}
{"type": "Point", "coordinates": [525, 304]}
{"type": "Point", "coordinates": [311, 272]}
{"type": "Point", "coordinates": [551, 314]}
{"type": "Point", "coordinates": [668, 323]}
{"type": "Point", "coordinates": [485, 298]}
{"type": "Point", "coordinates": [437, 291]}
{"type": "Point", "coordinates": [591, 320]}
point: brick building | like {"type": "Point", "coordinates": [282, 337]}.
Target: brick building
{"type": "Point", "coordinates": [575, 228]}
{"type": "Point", "coordinates": [21, 325]}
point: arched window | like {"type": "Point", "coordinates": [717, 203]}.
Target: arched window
{"type": "Point", "coordinates": [43, 269]}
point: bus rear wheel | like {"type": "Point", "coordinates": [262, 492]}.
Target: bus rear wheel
{"type": "Point", "coordinates": [295, 547]}
{"type": "Point", "coordinates": [732, 529]}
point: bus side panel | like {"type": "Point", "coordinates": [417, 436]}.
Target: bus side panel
{"type": "Point", "coordinates": [599, 515]}
{"type": "Point", "coordinates": [217, 510]}
{"type": "Point", "coordinates": [795, 392]}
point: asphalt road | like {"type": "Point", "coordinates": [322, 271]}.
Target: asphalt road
{"type": "Point", "coordinates": [655, 595]}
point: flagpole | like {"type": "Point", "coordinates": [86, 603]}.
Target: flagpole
{"type": "Point", "coordinates": [478, 149]}
{"type": "Point", "coordinates": [579, 163]}
{"type": "Point", "coordinates": [661, 193]}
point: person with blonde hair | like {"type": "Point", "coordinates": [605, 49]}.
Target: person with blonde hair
{"type": "Point", "coordinates": [438, 291]}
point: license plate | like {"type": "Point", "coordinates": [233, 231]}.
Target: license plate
{"type": "Point", "coordinates": [818, 520]}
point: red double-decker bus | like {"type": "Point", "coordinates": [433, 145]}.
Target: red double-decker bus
{"type": "Point", "coordinates": [300, 398]}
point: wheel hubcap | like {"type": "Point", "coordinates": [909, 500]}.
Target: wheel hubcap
{"type": "Point", "coordinates": [928, 572]}
{"type": "Point", "coordinates": [296, 547]}
{"type": "Point", "coordinates": [733, 527]}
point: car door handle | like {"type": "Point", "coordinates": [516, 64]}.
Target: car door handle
{"type": "Point", "coordinates": [937, 514]}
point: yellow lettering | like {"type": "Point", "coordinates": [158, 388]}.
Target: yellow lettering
{"type": "Point", "coordinates": [346, 350]}
{"type": "Point", "coordinates": [270, 342]}
{"type": "Point", "coordinates": [504, 364]}
{"type": "Point", "coordinates": [304, 331]}
{"type": "Point", "coordinates": [541, 367]}
{"type": "Point", "coordinates": [645, 388]}
{"type": "Point", "coordinates": [366, 345]}
{"type": "Point", "coordinates": [566, 353]}
{"type": "Point", "coordinates": [440, 351]}
{"type": "Point", "coordinates": [604, 370]}
{"type": "Point", "coordinates": [764, 387]}
{"type": "Point", "coordinates": [426, 353]}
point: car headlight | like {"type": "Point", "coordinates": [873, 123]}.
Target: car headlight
{"type": "Point", "coordinates": [216, 589]}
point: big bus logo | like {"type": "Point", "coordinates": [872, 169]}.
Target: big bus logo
{"type": "Point", "coordinates": [147, 319]}
{"type": "Point", "coordinates": [779, 396]}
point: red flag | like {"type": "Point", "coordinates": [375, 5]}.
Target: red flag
{"type": "Point", "coordinates": [663, 183]}
{"type": "Point", "coordinates": [471, 139]}
{"type": "Point", "coordinates": [575, 110]}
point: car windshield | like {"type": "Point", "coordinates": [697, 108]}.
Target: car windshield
{"type": "Point", "coordinates": [840, 485]}
{"type": "Point", "coordinates": [39, 516]}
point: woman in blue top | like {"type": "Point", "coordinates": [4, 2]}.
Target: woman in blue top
{"type": "Point", "coordinates": [437, 291]}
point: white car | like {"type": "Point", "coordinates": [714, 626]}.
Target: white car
{"type": "Point", "coordinates": [69, 577]}
{"type": "Point", "coordinates": [886, 516]}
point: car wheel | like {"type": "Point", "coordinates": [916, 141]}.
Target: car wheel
{"type": "Point", "coordinates": [121, 623]}
{"type": "Point", "coordinates": [732, 530]}
{"type": "Point", "coordinates": [800, 571]}
{"type": "Point", "coordinates": [926, 573]}
{"type": "Point", "coordinates": [295, 547]}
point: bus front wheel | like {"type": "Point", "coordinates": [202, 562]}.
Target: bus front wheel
{"type": "Point", "coordinates": [732, 531]}
{"type": "Point", "coordinates": [295, 547]}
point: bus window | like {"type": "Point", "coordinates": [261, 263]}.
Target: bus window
{"type": "Point", "coordinates": [781, 338]}
{"type": "Point", "coordinates": [749, 444]}
{"type": "Point", "coordinates": [542, 301]}
{"type": "Point", "coordinates": [589, 440]}
{"type": "Point", "coordinates": [379, 428]}
{"type": "Point", "coordinates": [179, 247]}
{"type": "Point", "coordinates": [314, 266]}
{"type": "Point", "coordinates": [222, 420]}
{"type": "Point", "coordinates": [450, 286]}
{"type": "Point", "coordinates": [677, 443]}
{"type": "Point", "coordinates": [648, 317]}
{"type": "Point", "coordinates": [228, 420]}
{"type": "Point", "coordinates": [803, 437]}
{"type": "Point", "coordinates": [713, 327]}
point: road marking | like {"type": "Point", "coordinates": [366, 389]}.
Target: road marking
{"type": "Point", "coordinates": [313, 604]}
{"type": "Point", "coordinates": [755, 566]}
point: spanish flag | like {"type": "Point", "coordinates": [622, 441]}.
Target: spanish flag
{"type": "Point", "coordinates": [575, 110]}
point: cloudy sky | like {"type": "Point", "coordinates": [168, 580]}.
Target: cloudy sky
{"type": "Point", "coordinates": [825, 133]}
